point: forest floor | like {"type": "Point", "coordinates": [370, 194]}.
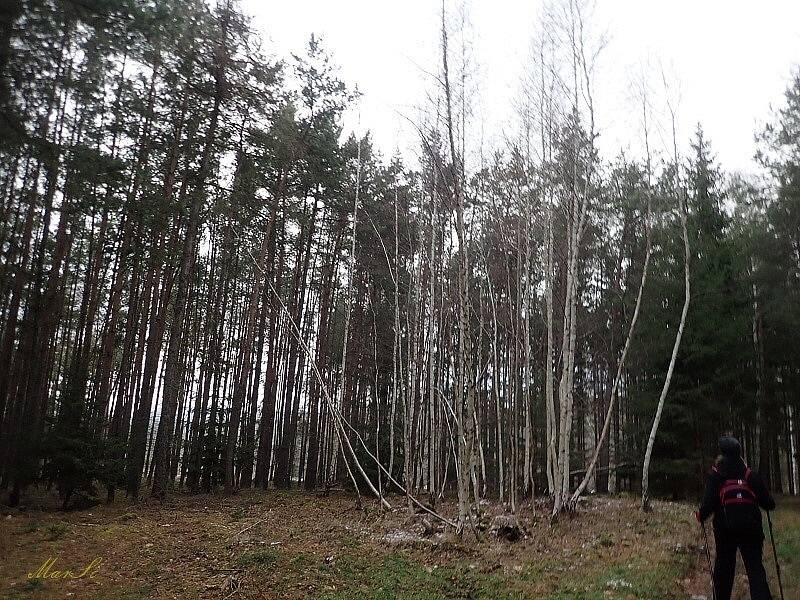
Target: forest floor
{"type": "Point", "coordinates": [292, 544]}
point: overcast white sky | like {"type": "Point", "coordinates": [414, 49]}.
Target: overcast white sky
{"type": "Point", "coordinates": [734, 59]}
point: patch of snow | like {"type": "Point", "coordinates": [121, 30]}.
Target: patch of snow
{"type": "Point", "coordinates": [400, 537]}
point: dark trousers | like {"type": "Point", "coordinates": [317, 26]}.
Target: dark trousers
{"type": "Point", "coordinates": [725, 567]}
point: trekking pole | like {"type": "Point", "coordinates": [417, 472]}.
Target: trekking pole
{"type": "Point", "coordinates": [708, 556]}
{"type": "Point", "coordinates": [775, 554]}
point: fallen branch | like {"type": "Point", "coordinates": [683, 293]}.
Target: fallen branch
{"type": "Point", "coordinates": [249, 527]}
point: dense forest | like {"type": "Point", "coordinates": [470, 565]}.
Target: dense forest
{"type": "Point", "coordinates": [206, 284]}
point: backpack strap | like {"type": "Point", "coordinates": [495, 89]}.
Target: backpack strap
{"type": "Point", "coordinates": [747, 474]}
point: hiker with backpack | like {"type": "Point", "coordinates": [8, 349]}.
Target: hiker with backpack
{"type": "Point", "coordinates": [733, 495]}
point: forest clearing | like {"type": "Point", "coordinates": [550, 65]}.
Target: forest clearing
{"type": "Point", "coordinates": [280, 544]}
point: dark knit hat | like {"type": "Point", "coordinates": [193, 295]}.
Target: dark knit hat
{"type": "Point", "coordinates": [730, 446]}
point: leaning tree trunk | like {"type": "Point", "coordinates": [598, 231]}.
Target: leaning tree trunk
{"type": "Point", "coordinates": [617, 378]}
{"type": "Point", "coordinates": [651, 440]}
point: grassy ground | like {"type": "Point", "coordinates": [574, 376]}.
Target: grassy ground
{"type": "Point", "coordinates": [296, 545]}
{"type": "Point", "coordinates": [786, 524]}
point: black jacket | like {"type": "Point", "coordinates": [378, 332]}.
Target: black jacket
{"type": "Point", "coordinates": [732, 469]}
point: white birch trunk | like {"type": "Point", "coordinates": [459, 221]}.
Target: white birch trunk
{"type": "Point", "coordinates": [687, 295]}
{"type": "Point", "coordinates": [396, 343]}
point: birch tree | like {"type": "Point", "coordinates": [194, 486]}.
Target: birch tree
{"type": "Point", "coordinates": [686, 299]}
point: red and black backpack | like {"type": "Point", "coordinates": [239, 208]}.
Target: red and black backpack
{"type": "Point", "coordinates": [739, 502]}
{"type": "Point", "coordinates": [737, 491]}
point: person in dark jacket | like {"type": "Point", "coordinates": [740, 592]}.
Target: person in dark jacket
{"type": "Point", "coordinates": [733, 495]}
